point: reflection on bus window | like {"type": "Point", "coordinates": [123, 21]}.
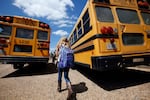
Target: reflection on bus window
{"type": "Point", "coordinates": [42, 35]}
{"type": "Point", "coordinates": [104, 14]}
{"type": "Point", "coordinates": [128, 16]}
{"type": "Point", "coordinates": [75, 35]}
{"type": "Point", "coordinates": [86, 22]}
{"type": "Point", "coordinates": [71, 39]}
{"type": "Point", "coordinates": [24, 33]}
{"type": "Point", "coordinates": [146, 18]}
{"type": "Point", "coordinates": [22, 48]}
{"type": "Point", "coordinates": [5, 30]}
{"type": "Point", "coordinates": [79, 30]}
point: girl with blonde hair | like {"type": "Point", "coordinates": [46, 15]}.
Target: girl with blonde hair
{"type": "Point", "coordinates": [63, 43]}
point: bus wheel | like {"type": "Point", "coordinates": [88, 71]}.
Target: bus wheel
{"type": "Point", "coordinates": [18, 66]}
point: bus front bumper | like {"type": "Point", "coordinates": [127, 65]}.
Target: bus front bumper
{"type": "Point", "coordinates": [103, 63]}
{"type": "Point", "coordinates": [23, 59]}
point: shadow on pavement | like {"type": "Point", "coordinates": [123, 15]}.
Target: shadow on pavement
{"type": "Point", "coordinates": [77, 88]}
{"type": "Point", "coordinates": [31, 70]}
{"type": "Point", "coordinates": [112, 80]}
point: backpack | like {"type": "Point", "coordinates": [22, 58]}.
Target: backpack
{"type": "Point", "coordinates": [66, 57]}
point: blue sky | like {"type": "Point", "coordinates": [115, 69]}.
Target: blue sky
{"type": "Point", "coordinates": [61, 15]}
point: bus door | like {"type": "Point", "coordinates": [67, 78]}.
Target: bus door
{"type": "Point", "coordinates": [133, 39]}
{"type": "Point", "coordinates": [23, 42]}
{"type": "Point", "coordinates": [5, 38]}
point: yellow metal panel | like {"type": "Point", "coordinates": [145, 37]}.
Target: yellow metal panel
{"type": "Point", "coordinates": [127, 3]}
{"type": "Point", "coordinates": [26, 21]}
{"type": "Point", "coordinates": [84, 57]}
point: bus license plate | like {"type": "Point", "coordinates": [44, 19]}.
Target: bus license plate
{"type": "Point", "coordinates": [138, 59]}
{"type": "Point", "coordinates": [111, 46]}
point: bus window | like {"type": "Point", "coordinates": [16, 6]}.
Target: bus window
{"type": "Point", "coordinates": [128, 16]}
{"type": "Point", "coordinates": [86, 22]}
{"type": "Point", "coordinates": [23, 48]}
{"type": "Point", "coordinates": [42, 35]}
{"type": "Point", "coordinates": [24, 33]}
{"type": "Point", "coordinates": [5, 30]}
{"type": "Point", "coordinates": [71, 39]}
{"type": "Point", "coordinates": [146, 17]}
{"type": "Point", "coordinates": [104, 14]}
{"type": "Point", "coordinates": [133, 39]}
{"type": "Point", "coordinates": [75, 35]}
{"type": "Point", "coordinates": [79, 29]}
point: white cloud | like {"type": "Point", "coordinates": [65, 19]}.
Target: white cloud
{"type": "Point", "coordinates": [61, 33]}
{"type": "Point", "coordinates": [51, 9]}
{"type": "Point", "coordinates": [64, 23]}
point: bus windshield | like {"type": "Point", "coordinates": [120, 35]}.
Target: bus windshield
{"type": "Point", "coordinates": [146, 17]}
{"type": "Point", "coordinates": [104, 14]}
{"type": "Point", "coordinates": [128, 16]}
{"type": "Point", "coordinates": [5, 30]}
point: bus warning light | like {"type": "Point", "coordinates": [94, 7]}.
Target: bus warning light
{"type": "Point", "coordinates": [104, 30]}
{"type": "Point", "coordinates": [7, 19]}
{"type": "Point", "coordinates": [107, 30]}
{"type": "Point", "coordinates": [110, 30]}
{"type": "Point", "coordinates": [41, 25]}
{"type": "Point", "coordinates": [143, 4]}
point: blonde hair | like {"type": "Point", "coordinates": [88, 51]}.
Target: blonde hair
{"type": "Point", "coordinates": [64, 41]}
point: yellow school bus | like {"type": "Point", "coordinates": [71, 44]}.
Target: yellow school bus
{"type": "Point", "coordinates": [112, 34]}
{"type": "Point", "coordinates": [23, 40]}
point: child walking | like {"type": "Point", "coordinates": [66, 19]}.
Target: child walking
{"type": "Point", "coordinates": [63, 43]}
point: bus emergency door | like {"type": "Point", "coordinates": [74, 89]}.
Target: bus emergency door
{"type": "Point", "coordinates": [23, 42]}
{"type": "Point", "coordinates": [131, 31]}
